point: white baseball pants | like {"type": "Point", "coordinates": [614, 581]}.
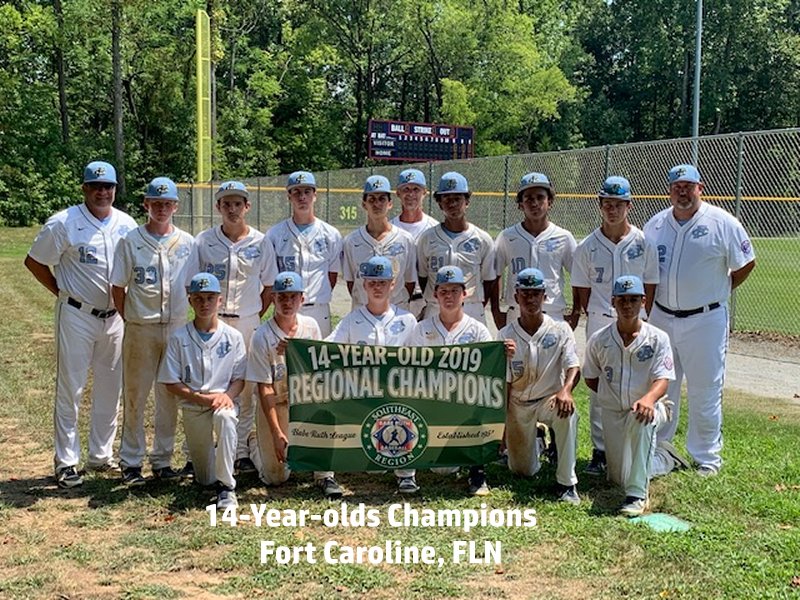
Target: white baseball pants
{"type": "Point", "coordinates": [248, 399]}
{"type": "Point", "coordinates": [595, 322]}
{"type": "Point", "coordinates": [321, 313]}
{"type": "Point", "coordinates": [212, 462]}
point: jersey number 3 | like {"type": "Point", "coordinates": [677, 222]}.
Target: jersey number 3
{"type": "Point", "coordinates": [146, 275]}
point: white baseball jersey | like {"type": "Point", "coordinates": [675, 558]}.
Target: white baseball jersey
{"type": "Point", "coordinates": [417, 228]}
{"type": "Point", "coordinates": [625, 374]}
{"type": "Point", "coordinates": [205, 367]}
{"type": "Point", "coordinates": [551, 252]}
{"type": "Point", "coordinates": [537, 368]}
{"type": "Point", "coordinates": [431, 332]}
{"type": "Point", "coordinates": [471, 250]}
{"type": "Point", "coordinates": [155, 272]}
{"type": "Point", "coordinates": [392, 328]}
{"type": "Point", "coordinates": [397, 245]}
{"type": "Point", "coordinates": [80, 248]}
{"type": "Point", "coordinates": [695, 259]}
{"type": "Point", "coordinates": [313, 253]}
{"type": "Point", "coordinates": [242, 268]}
{"type": "Point", "coordinates": [598, 262]}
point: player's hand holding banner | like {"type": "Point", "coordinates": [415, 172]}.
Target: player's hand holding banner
{"type": "Point", "coordinates": [358, 408]}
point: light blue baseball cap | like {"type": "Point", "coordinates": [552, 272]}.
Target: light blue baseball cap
{"type": "Point", "coordinates": [288, 281]}
{"type": "Point", "coordinates": [377, 184]}
{"type": "Point", "coordinates": [300, 178]}
{"type": "Point", "coordinates": [616, 187]}
{"type": "Point", "coordinates": [450, 274]}
{"type": "Point", "coordinates": [232, 188]}
{"type": "Point", "coordinates": [162, 188]}
{"type": "Point", "coordinates": [628, 285]}
{"type": "Point", "coordinates": [452, 183]}
{"type": "Point", "coordinates": [411, 176]}
{"type": "Point", "coordinates": [99, 172]}
{"type": "Point", "coordinates": [204, 282]}
{"type": "Point", "coordinates": [532, 180]}
{"type": "Point", "coordinates": [684, 173]}
{"type": "Point", "coordinates": [377, 267]}
{"type": "Point", "coordinates": [530, 279]}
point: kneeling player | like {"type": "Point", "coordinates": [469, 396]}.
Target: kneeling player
{"type": "Point", "coordinates": [541, 376]}
{"type": "Point", "coordinates": [205, 366]}
{"type": "Point", "coordinates": [629, 365]}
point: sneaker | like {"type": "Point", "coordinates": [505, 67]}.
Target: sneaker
{"type": "Point", "coordinates": [330, 488]}
{"type": "Point", "coordinates": [111, 466]}
{"type": "Point", "coordinates": [167, 474]}
{"type": "Point", "coordinates": [226, 498]}
{"type": "Point", "coordinates": [244, 465]}
{"type": "Point", "coordinates": [407, 485]}
{"type": "Point", "coordinates": [132, 477]}
{"type": "Point", "coordinates": [707, 471]}
{"type": "Point", "coordinates": [568, 494]}
{"type": "Point", "coordinates": [187, 472]}
{"type": "Point", "coordinates": [633, 506]}
{"type": "Point", "coordinates": [68, 477]}
{"type": "Point", "coordinates": [597, 466]}
{"type": "Point", "coordinates": [680, 461]}
{"type": "Point", "coordinates": [477, 483]}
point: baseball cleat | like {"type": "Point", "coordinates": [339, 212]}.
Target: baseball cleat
{"type": "Point", "coordinates": [568, 494]}
{"type": "Point", "coordinates": [226, 498]}
{"type": "Point", "coordinates": [68, 477]}
{"type": "Point", "coordinates": [330, 488]}
{"type": "Point", "coordinates": [244, 465]}
{"type": "Point", "coordinates": [597, 466]}
{"type": "Point", "coordinates": [132, 477]}
{"type": "Point", "coordinates": [680, 461]}
{"type": "Point", "coordinates": [166, 474]}
{"type": "Point", "coordinates": [633, 506]}
{"type": "Point", "coordinates": [187, 472]}
{"type": "Point", "coordinates": [407, 485]}
{"type": "Point", "coordinates": [707, 471]}
{"type": "Point", "coordinates": [477, 483]}
{"type": "Point", "coordinates": [107, 467]}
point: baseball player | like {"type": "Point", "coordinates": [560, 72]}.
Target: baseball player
{"type": "Point", "coordinates": [703, 254]}
{"type": "Point", "coordinates": [379, 323]}
{"type": "Point", "coordinates": [266, 367]}
{"type": "Point", "coordinates": [78, 244]}
{"type": "Point", "coordinates": [244, 263]}
{"type": "Point", "coordinates": [615, 248]}
{"type": "Point", "coordinates": [629, 365]}
{"type": "Point", "coordinates": [310, 247]}
{"type": "Point", "coordinates": [542, 373]}
{"type": "Point", "coordinates": [205, 366]}
{"type": "Point", "coordinates": [535, 242]}
{"type": "Point", "coordinates": [456, 242]}
{"type": "Point", "coordinates": [148, 286]}
{"type": "Point", "coordinates": [379, 238]}
{"type": "Point", "coordinates": [412, 189]}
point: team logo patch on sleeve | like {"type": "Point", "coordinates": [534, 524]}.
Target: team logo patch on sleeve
{"type": "Point", "coordinates": [394, 435]}
{"type": "Point", "coordinates": [646, 352]}
{"type": "Point", "coordinates": [747, 248]}
{"type": "Point", "coordinates": [280, 372]}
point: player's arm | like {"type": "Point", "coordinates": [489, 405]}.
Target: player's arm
{"type": "Point", "coordinates": [118, 294]}
{"type": "Point", "coordinates": [350, 285]}
{"type": "Point", "coordinates": [489, 291]}
{"type": "Point", "coordinates": [333, 278]}
{"type": "Point", "coordinates": [266, 300]}
{"type": "Point", "coordinates": [43, 274]}
{"type": "Point", "coordinates": [591, 383]}
{"type": "Point", "coordinates": [565, 403]}
{"type": "Point", "coordinates": [582, 294]}
{"type": "Point", "coordinates": [184, 392]}
{"type": "Point", "coordinates": [739, 275]}
{"type": "Point", "coordinates": [649, 296]}
{"type": "Point", "coordinates": [573, 317]}
{"type": "Point", "coordinates": [268, 401]}
{"type": "Point", "coordinates": [644, 407]}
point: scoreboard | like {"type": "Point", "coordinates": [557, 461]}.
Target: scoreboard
{"type": "Point", "coordinates": [419, 142]}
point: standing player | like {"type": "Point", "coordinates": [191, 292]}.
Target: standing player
{"type": "Point", "coordinates": [148, 285]}
{"type": "Point", "coordinates": [379, 323]}
{"type": "Point", "coordinates": [79, 243]}
{"type": "Point", "coordinates": [535, 242]}
{"type": "Point", "coordinates": [542, 374]}
{"type": "Point", "coordinates": [412, 189]}
{"type": "Point", "coordinates": [205, 367]}
{"type": "Point", "coordinates": [703, 254]}
{"type": "Point", "coordinates": [310, 247]}
{"type": "Point", "coordinates": [629, 365]}
{"type": "Point", "coordinates": [456, 242]}
{"type": "Point", "coordinates": [379, 238]}
{"type": "Point", "coordinates": [243, 261]}
{"type": "Point", "coordinates": [615, 248]}
{"type": "Point", "coordinates": [266, 367]}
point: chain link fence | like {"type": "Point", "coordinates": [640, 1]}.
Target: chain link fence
{"type": "Point", "coordinates": [755, 176]}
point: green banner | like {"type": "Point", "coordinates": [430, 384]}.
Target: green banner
{"type": "Point", "coordinates": [362, 408]}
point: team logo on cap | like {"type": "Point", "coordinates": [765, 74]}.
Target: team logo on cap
{"type": "Point", "coordinates": [376, 185]}
{"type": "Point", "coordinates": [530, 280]}
{"type": "Point", "coordinates": [99, 171]}
{"type": "Point", "coordinates": [407, 177]}
{"type": "Point", "coordinates": [299, 178]}
{"type": "Point", "coordinates": [394, 435]}
{"type": "Point", "coordinates": [287, 282]}
{"type": "Point", "coordinates": [679, 172]}
{"type": "Point", "coordinates": [626, 284]}
{"type": "Point", "coordinates": [203, 283]}
{"type": "Point", "coordinates": [162, 189]}
{"type": "Point", "coordinates": [615, 188]}
{"type": "Point", "coordinates": [448, 275]}
{"type": "Point", "coordinates": [450, 184]}
{"type": "Point", "coordinates": [229, 186]}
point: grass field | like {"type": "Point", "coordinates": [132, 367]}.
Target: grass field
{"type": "Point", "coordinates": [103, 541]}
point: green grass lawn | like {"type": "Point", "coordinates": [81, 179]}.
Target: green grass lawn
{"type": "Point", "coordinates": [103, 541]}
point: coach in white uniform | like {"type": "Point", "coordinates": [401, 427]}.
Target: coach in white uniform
{"type": "Point", "coordinates": [615, 248]}
{"type": "Point", "coordinates": [703, 254]}
{"type": "Point", "coordinates": [243, 261]}
{"type": "Point", "coordinates": [379, 238]}
{"type": "Point", "coordinates": [79, 243]}
{"type": "Point", "coordinates": [310, 247]}
{"type": "Point", "coordinates": [535, 242]}
{"type": "Point", "coordinates": [458, 243]}
{"type": "Point", "coordinates": [149, 289]}
{"type": "Point", "coordinates": [541, 376]}
{"type": "Point", "coordinates": [412, 189]}
{"type": "Point", "coordinates": [629, 365]}
{"type": "Point", "coordinates": [205, 366]}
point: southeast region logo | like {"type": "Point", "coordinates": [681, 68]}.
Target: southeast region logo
{"type": "Point", "coordinates": [635, 251]}
{"type": "Point", "coordinates": [394, 435]}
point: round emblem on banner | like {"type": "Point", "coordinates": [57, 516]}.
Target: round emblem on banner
{"type": "Point", "coordinates": [394, 435]}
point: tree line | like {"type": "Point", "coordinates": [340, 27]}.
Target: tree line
{"type": "Point", "coordinates": [296, 81]}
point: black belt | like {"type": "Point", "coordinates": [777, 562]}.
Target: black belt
{"type": "Point", "coordinates": [682, 314]}
{"type": "Point", "coordinates": [228, 316]}
{"type": "Point", "coordinates": [95, 312]}
{"type": "Point", "coordinates": [309, 304]}
{"type": "Point", "coordinates": [415, 297]}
